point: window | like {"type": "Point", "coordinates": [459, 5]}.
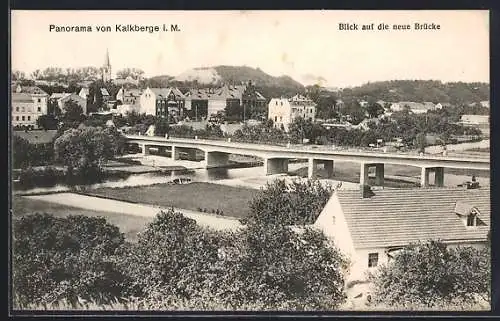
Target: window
{"type": "Point", "coordinates": [22, 118]}
{"type": "Point", "coordinates": [29, 118]}
{"type": "Point", "coordinates": [372, 260]}
{"type": "Point", "coordinates": [275, 118]}
{"type": "Point", "coordinates": [39, 100]}
{"type": "Point", "coordinates": [471, 219]}
{"type": "Point", "coordinates": [281, 118]}
{"type": "Point", "coordinates": [39, 109]}
{"type": "Point", "coordinates": [17, 118]}
{"type": "Point", "coordinates": [281, 103]}
{"type": "Point", "coordinates": [276, 103]}
{"type": "Point", "coordinates": [17, 108]}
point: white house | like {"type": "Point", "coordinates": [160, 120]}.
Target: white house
{"type": "Point", "coordinates": [370, 229]}
{"type": "Point", "coordinates": [28, 103]}
{"type": "Point", "coordinates": [416, 108]}
{"type": "Point", "coordinates": [283, 111]}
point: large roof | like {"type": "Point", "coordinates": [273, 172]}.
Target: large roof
{"type": "Point", "coordinates": [221, 93]}
{"type": "Point", "coordinates": [32, 90]}
{"type": "Point", "coordinates": [397, 217]}
{"type": "Point", "coordinates": [165, 92]}
{"type": "Point", "coordinates": [21, 98]}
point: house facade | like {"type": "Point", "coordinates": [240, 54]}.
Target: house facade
{"type": "Point", "coordinates": [128, 96]}
{"type": "Point", "coordinates": [371, 229]}
{"type": "Point", "coordinates": [28, 103]}
{"type": "Point", "coordinates": [241, 102]}
{"type": "Point", "coordinates": [163, 102]}
{"type": "Point", "coordinates": [283, 111]}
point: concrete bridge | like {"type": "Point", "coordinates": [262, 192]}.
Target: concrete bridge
{"type": "Point", "coordinates": [276, 157]}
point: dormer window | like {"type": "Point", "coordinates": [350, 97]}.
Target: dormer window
{"type": "Point", "coordinates": [472, 219]}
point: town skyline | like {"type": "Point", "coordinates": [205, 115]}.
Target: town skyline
{"type": "Point", "coordinates": [280, 45]}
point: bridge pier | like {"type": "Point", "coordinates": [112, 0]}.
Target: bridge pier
{"type": "Point", "coordinates": [312, 170]}
{"type": "Point", "coordinates": [379, 174]}
{"type": "Point", "coordinates": [174, 153]}
{"type": "Point", "coordinates": [216, 159]}
{"type": "Point", "coordinates": [145, 149]}
{"type": "Point", "coordinates": [275, 166]}
{"type": "Point", "coordinates": [438, 176]}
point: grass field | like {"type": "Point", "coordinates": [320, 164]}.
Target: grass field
{"type": "Point", "coordinates": [129, 225]}
{"type": "Point", "coordinates": [233, 201]}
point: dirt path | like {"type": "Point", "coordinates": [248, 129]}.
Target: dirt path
{"type": "Point", "coordinates": [102, 204]}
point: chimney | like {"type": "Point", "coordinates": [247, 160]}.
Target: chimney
{"type": "Point", "coordinates": [366, 191]}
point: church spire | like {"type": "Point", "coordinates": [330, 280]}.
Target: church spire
{"type": "Point", "coordinates": [106, 60]}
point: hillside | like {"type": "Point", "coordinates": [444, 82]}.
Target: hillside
{"type": "Point", "coordinates": [237, 75]}
{"type": "Point", "coordinates": [456, 93]}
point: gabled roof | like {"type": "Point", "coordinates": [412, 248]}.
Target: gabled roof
{"type": "Point", "coordinates": [165, 92]}
{"type": "Point", "coordinates": [32, 90]}
{"type": "Point", "coordinates": [104, 91]}
{"type": "Point", "coordinates": [84, 90]}
{"type": "Point", "coordinates": [132, 92]}
{"type": "Point", "coordinates": [397, 217]}
{"type": "Point", "coordinates": [74, 97]}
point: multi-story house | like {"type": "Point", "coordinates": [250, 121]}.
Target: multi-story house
{"type": "Point", "coordinates": [163, 102]}
{"type": "Point", "coordinates": [241, 102]}
{"type": "Point", "coordinates": [283, 111]}
{"type": "Point", "coordinates": [28, 103]}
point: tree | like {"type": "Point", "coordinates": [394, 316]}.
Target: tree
{"type": "Point", "coordinates": [421, 142]}
{"type": "Point", "coordinates": [294, 203]}
{"type": "Point", "coordinates": [135, 73]}
{"type": "Point", "coordinates": [72, 114]}
{"type": "Point", "coordinates": [162, 127]}
{"type": "Point", "coordinates": [66, 258]}
{"type": "Point", "coordinates": [47, 122]}
{"type": "Point", "coordinates": [86, 147]}
{"type": "Point", "coordinates": [17, 75]}
{"type": "Point", "coordinates": [286, 269]}
{"type": "Point", "coordinates": [374, 110]}
{"type": "Point", "coordinates": [21, 152]}
{"type": "Point", "coordinates": [300, 129]}
{"type": "Point", "coordinates": [432, 273]}
{"type": "Point", "coordinates": [173, 258]}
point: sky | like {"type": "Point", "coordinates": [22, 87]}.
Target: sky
{"type": "Point", "coordinates": [306, 45]}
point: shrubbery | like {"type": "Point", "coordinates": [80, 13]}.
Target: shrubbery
{"type": "Point", "coordinates": [295, 203]}
{"type": "Point", "coordinates": [427, 274]}
{"type": "Point", "coordinates": [175, 264]}
{"type": "Point", "coordinates": [65, 259]}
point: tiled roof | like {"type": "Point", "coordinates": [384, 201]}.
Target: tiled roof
{"type": "Point", "coordinates": [397, 217]}
{"type": "Point", "coordinates": [21, 97]}
{"type": "Point", "coordinates": [222, 93]}
{"type": "Point", "coordinates": [32, 90]}
{"type": "Point", "coordinates": [132, 92]}
{"type": "Point", "coordinates": [165, 92]}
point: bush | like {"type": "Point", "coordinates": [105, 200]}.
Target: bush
{"type": "Point", "coordinates": [65, 259]}
{"type": "Point", "coordinates": [43, 177]}
{"type": "Point", "coordinates": [173, 257]}
{"type": "Point", "coordinates": [297, 203]}
{"type": "Point", "coordinates": [431, 273]}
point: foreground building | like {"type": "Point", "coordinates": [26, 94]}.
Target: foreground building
{"type": "Point", "coordinates": [283, 111]}
{"type": "Point", "coordinates": [371, 226]}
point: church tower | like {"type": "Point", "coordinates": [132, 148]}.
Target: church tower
{"type": "Point", "coordinates": [106, 68]}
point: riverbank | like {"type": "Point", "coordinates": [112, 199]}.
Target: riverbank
{"type": "Point", "coordinates": [196, 196]}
